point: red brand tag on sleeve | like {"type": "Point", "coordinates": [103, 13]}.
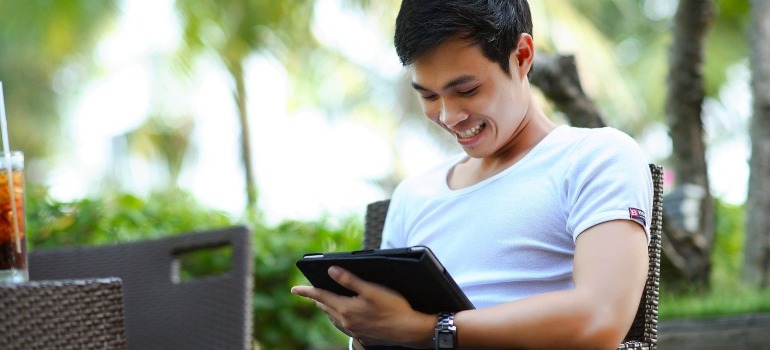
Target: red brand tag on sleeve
{"type": "Point", "coordinates": [638, 215]}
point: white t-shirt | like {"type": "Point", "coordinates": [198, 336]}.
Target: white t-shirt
{"type": "Point", "coordinates": [513, 234]}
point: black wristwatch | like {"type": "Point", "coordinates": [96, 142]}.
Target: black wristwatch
{"type": "Point", "coordinates": [446, 332]}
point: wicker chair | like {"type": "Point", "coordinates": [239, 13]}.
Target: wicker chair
{"type": "Point", "coordinates": [66, 314]}
{"type": "Point", "coordinates": [644, 330]}
{"type": "Point", "coordinates": [211, 312]}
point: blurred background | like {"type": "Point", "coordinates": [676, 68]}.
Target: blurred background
{"type": "Point", "coordinates": [145, 118]}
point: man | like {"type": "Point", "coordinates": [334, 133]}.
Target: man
{"type": "Point", "coordinates": [542, 226]}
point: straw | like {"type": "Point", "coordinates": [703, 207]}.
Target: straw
{"type": "Point", "coordinates": [9, 170]}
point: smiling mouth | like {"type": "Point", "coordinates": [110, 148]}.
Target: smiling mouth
{"type": "Point", "coordinates": [471, 132]}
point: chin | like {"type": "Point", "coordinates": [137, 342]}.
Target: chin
{"type": "Point", "coordinates": [475, 153]}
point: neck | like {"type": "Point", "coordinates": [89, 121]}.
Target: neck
{"type": "Point", "coordinates": [533, 128]}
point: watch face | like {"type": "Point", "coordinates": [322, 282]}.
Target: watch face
{"type": "Point", "coordinates": [445, 341]}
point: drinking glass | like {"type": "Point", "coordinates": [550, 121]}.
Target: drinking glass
{"type": "Point", "coordinates": [13, 243]}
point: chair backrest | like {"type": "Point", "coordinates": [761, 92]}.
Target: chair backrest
{"type": "Point", "coordinates": [162, 312]}
{"type": "Point", "coordinates": [62, 314]}
{"type": "Point", "coordinates": [644, 330]}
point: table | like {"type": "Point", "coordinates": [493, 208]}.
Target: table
{"type": "Point", "coordinates": [62, 314]}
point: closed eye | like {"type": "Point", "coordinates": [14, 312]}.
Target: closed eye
{"type": "Point", "coordinates": [428, 97]}
{"type": "Point", "coordinates": [468, 92]}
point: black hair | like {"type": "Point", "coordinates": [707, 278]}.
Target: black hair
{"type": "Point", "coordinates": [492, 25]}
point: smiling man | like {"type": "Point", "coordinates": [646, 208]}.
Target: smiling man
{"type": "Point", "coordinates": [542, 226]}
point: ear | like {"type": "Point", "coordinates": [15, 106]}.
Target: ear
{"type": "Point", "coordinates": [522, 56]}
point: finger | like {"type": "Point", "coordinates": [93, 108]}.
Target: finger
{"type": "Point", "coordinates": [318, 295]}
{"type": "Point", "coordinates": [313, 294]}
{"type": "Point", "coordinates": [303, 291]}
{"type": "Point", "coordinates": [349, 280]}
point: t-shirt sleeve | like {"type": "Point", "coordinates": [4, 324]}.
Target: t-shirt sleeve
{"type": "Point", "coordinates": [607, 179]}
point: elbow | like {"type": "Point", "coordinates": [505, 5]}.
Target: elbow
{"type": "Point", "coordinates": [608, 337]}
{"type": "Point", "coordinates": [604, 329]}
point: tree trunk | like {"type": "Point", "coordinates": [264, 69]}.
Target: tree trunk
{"type": "Point", "coordinates": [757, 243]}
{"type": "Point", "coordinates": [688, 238]}
{"type": "Point", "coordinates": [239, 95]}
{"type": "Point", "coordinates": [557, 77]}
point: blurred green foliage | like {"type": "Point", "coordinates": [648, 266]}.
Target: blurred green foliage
{"type": "Point", "coordinates": [727, 255]}
{"type": "Point", "coordinates": [200, 263]}
{"type": "Point", "coordinates": [114, 218]}
{"type": "Point", "coordinates": [715, 302]}
{"type": "Point", "coordinates": [726, 294]}
{"type": "Point", "coordinates": [281, 319]}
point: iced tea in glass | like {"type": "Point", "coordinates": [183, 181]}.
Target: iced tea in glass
{"type": "Point", "coordinates": [13, 247]}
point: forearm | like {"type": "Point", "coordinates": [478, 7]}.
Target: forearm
{"type": "Point", "coordinates": [566, 319]}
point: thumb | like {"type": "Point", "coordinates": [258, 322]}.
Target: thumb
{"type": "Point", "coordinates": [347, 279]}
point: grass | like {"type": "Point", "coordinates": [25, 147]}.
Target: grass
{"type": "Point", "coordinates": [719, 301]}
{"type": "Point", "coordinates": [727, 294]}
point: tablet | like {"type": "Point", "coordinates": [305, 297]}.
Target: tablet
{"type": "Point", "coordinates": [413, 272]}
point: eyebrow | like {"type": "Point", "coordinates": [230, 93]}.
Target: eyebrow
{"type": "Point", "coordinates": [457, 81]}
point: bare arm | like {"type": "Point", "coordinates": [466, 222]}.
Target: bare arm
{"type": "Point", "coordinates": [609, 273]}
{"type": "Point", "coordinates": [610, 269]}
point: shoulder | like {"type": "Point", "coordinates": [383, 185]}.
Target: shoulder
{"type": "Point", "coordinates": [599, 137]}
{"type": "Point", "coordinates": [602, 144]}
{"type": "Point", "coordinates": [568, 142]}
{"type": "Point", "coordinates": [603, 155]}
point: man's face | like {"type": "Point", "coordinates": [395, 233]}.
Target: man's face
{"type": "Point", "coordinates": [471, 96]}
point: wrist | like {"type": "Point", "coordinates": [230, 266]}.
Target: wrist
{"type": "Point", "coordinates": [427, 328]}
{"type": "Point", "coordinates": [445, 336]}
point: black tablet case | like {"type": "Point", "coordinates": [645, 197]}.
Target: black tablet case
{"type": "Point", "coordinates": [414, 272]}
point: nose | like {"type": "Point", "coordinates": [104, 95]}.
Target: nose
{"type": "Point", "coordinates": [451, 113]}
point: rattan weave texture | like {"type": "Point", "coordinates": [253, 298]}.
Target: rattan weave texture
{"type": "Point", "coordinates": [62, 314]}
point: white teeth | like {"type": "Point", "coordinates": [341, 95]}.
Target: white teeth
{"type": "Point", "coordinates": [471, 132]}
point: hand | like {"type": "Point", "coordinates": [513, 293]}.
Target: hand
{"type": "Point", "coordinates": [377, 315]}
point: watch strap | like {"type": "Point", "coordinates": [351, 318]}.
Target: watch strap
{"type": "Point", "coordinates": [445, 336]}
